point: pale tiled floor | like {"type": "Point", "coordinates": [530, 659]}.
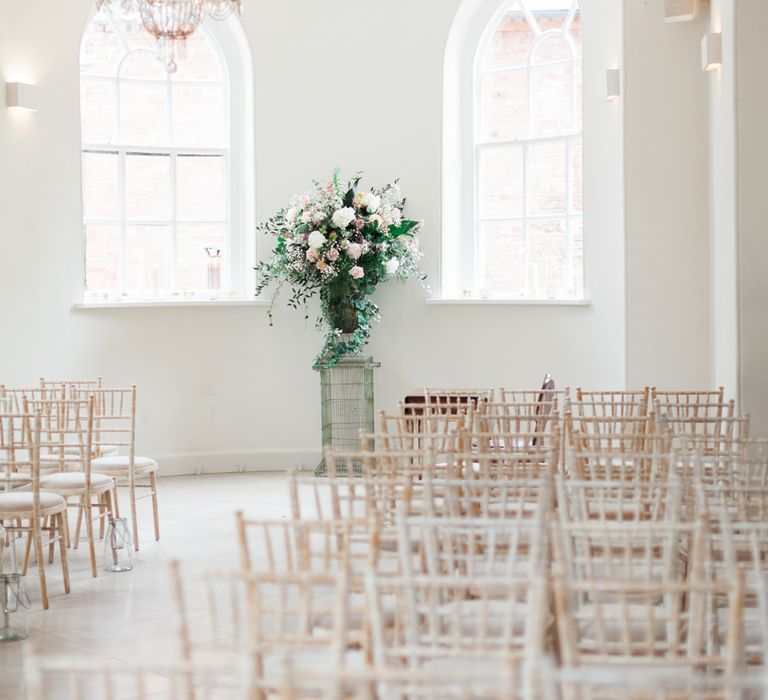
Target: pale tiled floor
{"type": "Point", "coordinates": [130, 616]}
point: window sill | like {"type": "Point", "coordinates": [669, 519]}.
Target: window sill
{"type": "Point", "coordinates": [168, 304]}
{"type": "Point", "coordinates": [461, 301]}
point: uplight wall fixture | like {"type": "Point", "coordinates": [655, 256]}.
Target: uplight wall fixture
{"type": "Point", "coordinates": [711, 51]}
{"type": "Point", "coordinates": [612, 84]}
{"type": "Point", "coordinates": [21, 96]}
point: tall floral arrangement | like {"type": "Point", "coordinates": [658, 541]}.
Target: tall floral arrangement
{"type": "Point", "coordinates": [339, 242]}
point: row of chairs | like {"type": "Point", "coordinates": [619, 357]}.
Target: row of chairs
{"type": "Point", "coordinates": [447, 559]}
{"type": "Point", "coordinates": [68, 447]}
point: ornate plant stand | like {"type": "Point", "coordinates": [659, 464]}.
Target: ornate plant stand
{"type": "Point", "coordinates": [346, 395]}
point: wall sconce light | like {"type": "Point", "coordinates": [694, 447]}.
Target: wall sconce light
{"type": "Point", "coordinates": [711, 51]}
{"type": "Point", "coordinates": [21, 96]}
{"type": "Point", "coordinates": [612, 84]}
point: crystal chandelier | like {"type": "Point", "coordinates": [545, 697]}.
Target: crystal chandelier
{"type": "Point", "coordinates": [172, 22]}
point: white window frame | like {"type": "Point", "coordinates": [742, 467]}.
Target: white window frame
{"type": "Point", "coordinates": [238, 279]}
{"type": "Point", "coordinates": [461, 254]}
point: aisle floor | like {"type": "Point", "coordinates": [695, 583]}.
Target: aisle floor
{"type": "Point", "coordinates": [130, 617]}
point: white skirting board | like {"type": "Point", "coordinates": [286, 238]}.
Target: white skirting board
{"type": "Point", "coordinates": [265, 460]}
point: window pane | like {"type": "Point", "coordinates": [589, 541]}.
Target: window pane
{"type": "Point", "coordinates": [510, 43]}
{"type": "Point", "coordinates": [552, 108]}
{"type": "Point", "coordinates": [501, 254]}
{"type": "Point", "coordinates": [100, 192]}
{"type": "Point", "coordinates": [200, 188]}
{"type": "Point", "coordinates": [143, 64]}
{"type": "Point", "coordinates": [143, 114]}
{"type": "Point", "coordinates": [577, 176]}
{"type": "Point", "coordinates": [501, 182]}
{"type": "Point", "coordinates": [546, 179]}
{"type": "Point", "coordinates": [102, 257]}
{"type": "Point", "coordinates": [147, 187]}
{"type": "Point", "coordinates": [504, 109]}
{"type": "Point", "coordinates": [577, 254]}
{"type": "Point", "coordinates": [134, 35]}
{"type": "Point", "coordinates": [97, 104]}
{"type": "Point", "coordinates": [198, 116]}
{"type": "Point", "coordinates": [548, 260]}
{"type": "Point", "coordinates": [551, 48]}
{"type": "Point", "coordinates": [147, 257]}
{"type": "Point", "coordinates": [191, 258]}
{"type": "Point", "coordinates": [100, 49]}
{"type": "Point", "coordinates": [200, 61]}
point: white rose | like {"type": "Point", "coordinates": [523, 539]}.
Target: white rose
{"type": "Point", "coordinates": [392, 266]}
{"type": "Point", "coordinates": [343, 217]}
{"type": "Point", "coordinates": [291, 214]}
{"type": "Point", "coordinates": [316, 240]}
{"type": "Point", "coordinates": [372, 202]}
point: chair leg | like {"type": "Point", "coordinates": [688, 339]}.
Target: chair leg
{"type": "Point", "coordinates": [132, 490]}
{"type": "Point", "coordinates": [153, 483]}
{"type": "Point", "coordinates": [89, 533]}
{"type": "Point", "coordinates": [115, 502]}
{"type": "Point", "coordinates": [102, 511]}
{"type": "Point", "coordinates": [67, 538]}
{"type": "Point", "coordinates": [40, 565]}
{"type": "Point", "coordinates": [51, 536]}
{"type": "Point", "coordinates": [79, 523]}
{"type": "Point", "coordinates": [27, 550]}
{"type": "Point", "coordinates": [63, 550]}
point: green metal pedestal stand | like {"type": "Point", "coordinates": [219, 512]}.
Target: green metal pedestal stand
{"type": "Point", "coordinates": [346, 395]}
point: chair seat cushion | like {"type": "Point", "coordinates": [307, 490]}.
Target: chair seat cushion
{"type": "Point", "coordinates": [67, 481]}
{"type": "Point", "coordinates": [21, 502]}
{"type": "Point", "coordinates": [120, 463]}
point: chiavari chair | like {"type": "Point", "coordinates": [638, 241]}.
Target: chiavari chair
{"type": "Point", "coordinates": [633, 397]}
{"type": "Point", "coordinates": [651, 624]}
{"type": "Point", "coordinates": [515, 418]}
{"type": "Point", "coordinates": [42, 512]}
{"type": "Point", "coordinates": [705, 434]}
{"type": "Point", "coordinates": [622, 683]}
{"type": "Point", "coordinates": [69, 677]}
{"type": "Point", "coordinates": [620, 465]}
{"type": "Point", "coordinates": [473, 547]}
{"type": "Point", "coordinates": [608, 409]}
{"type": "Point", "coordinates": [606, 501]}
{"type": "Point", "coordinates": [687, 398]}
{"type": "Point", "coordinates": [457, 621]}
{"type": "Point", "coordinates": [515, 500]}
{"type": "Point", "coordinates": [68, 446]}
{"type": "Point", "coordinates": [63, 385]}
{"type": "Point", "coordinates": [115, 426]}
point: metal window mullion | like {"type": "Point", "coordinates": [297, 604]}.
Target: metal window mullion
{"type": "Point", "coordinates": [154, 150]}
{"type": "Point", "coordinates": [526, 241]}
{"type": "Point", "coordinates": [532, 141]}
{"type": "Point", "coordinates": [477, 244]}
{"type": "Point", "coordinates": [174, 226]}
{"type": "Point", "coordinates": [568, 201]}
{"type": "Point", "coordinates": [121, 179]}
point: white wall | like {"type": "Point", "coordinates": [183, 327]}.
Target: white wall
{"type": "Point", "coordinates": [357, 84]}
{"type": "Point", "coordinates": [723, 208]}
{"type": "Point", "coordinates": [752, 155]}
{"type": "Point", "coordinates": [668, 315]}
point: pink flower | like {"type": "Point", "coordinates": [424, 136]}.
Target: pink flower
{"type": "Point", "coordinates": [357, 272]}
{"type": "Point", "coordinates": [311, 255]}
{"type": "Point", "coordinates": [332, 254]}
{"type": "Point", "coordinates": [354, 250]}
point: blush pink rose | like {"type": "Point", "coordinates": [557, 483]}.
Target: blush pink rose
{"type": "Point", "coordinates": [332, 254]}
{"type": "Point", "coordinates": [311, 255]}
{"type": "Point", "coordinates": [357, 272]}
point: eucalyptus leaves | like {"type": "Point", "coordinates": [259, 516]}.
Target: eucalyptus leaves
{"type": "Point", "coordinates": [339, 243]}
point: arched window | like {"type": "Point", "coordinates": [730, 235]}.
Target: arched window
{"type": "Point", "coordinates": [522, 226]}
{"type": "Point", "coordinates": [162, 180]}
